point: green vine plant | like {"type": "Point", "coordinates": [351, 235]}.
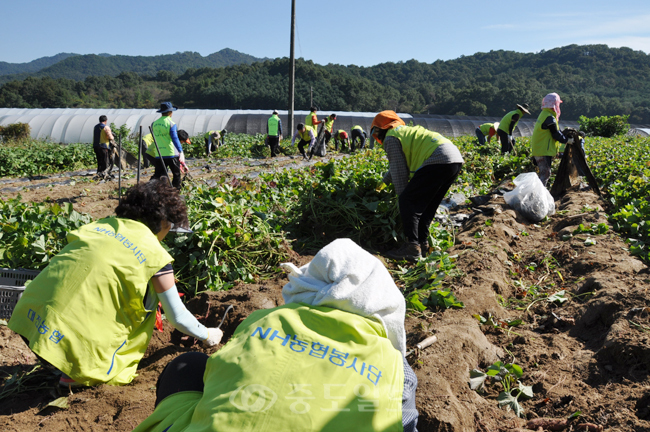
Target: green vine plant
{"type": "Point", "coordinates": [508, 375]}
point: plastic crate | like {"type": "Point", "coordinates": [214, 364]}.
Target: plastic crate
{"type": "Point", "coordinates": [12, 285]}
{"type": "Point", "coordinates": [16, 277]}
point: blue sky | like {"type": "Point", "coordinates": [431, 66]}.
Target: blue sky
{"type": "Point", "coordinates": [364, 33]}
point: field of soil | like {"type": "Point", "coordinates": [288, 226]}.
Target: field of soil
{"type": "Point", "coordinates": [589, 354]}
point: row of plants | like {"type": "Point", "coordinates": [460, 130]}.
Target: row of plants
{"type": "Point", "coordinates": [344, 198]}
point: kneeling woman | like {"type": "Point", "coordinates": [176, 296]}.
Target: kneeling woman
{"type": "Point", "coordinates": [91, 312]}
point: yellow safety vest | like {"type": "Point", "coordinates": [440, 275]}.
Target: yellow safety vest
{"type": "Point", "coordinates": [542, 142]}
{"type": "Point", "coordinates": [504, 125]}
{"type": "Point", "coordinates": [309, 120]}
{"type": "Point", "coordinates": [85, 312]}
{"type": "Point", "coordinates": [418, 144]}
{"type": "Point", "coordinates": [294, 368]}
{"type": "Point", "coordinates": [304, 135]}
{"type": "Point", "coordinates": [161, 129]}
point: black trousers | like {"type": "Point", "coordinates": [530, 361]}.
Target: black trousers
{"type": "Point", "coordinates": [102, 158]}
{"type": "Point", "coordinates": [184, 373]}
{"type": "Point", "coordinates": [174, 166]}
{"type": "Point", "coordinates": [301, 146]}
{"type": "Point", "coordinates": [357, 135]}
{"type": "Point", "coordinates": [274, 144]}
{"type": "Point", "coordinates": [507, 144]}
{"type": "Point", "coordinates": [422, 196]}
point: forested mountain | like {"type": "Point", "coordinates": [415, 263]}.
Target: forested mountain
{"type": "Point", "coordinates": [79, 67]}
{"type": "Point", "coordinates": [32, 66]}
{"type": "Point", "coordinates": [592, 80]}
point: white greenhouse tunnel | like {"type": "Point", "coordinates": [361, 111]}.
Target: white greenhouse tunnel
{"type": "Point", "coordinates": [75, 125]}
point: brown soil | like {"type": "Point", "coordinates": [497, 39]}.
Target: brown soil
{"type": "Point", "coordinates": [589, 354]}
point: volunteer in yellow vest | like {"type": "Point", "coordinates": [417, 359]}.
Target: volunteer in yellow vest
{"type": "Point", "coordinates": [274, 133]}
{"type": "Point", "coordinates": [102, 137]}
{"type": "Point", "coordinates": [213, 140]}
{"type": "Point", "coordinates": [422, 166]}
{"type": "Point", "coordinates": [330, 359]}
{"type": "Point", "coordinates": [90, 313]}
{"type": "Point", "coordinates": [307, 136]}
{"type": "Point", "coordinates": [328, 127]}
{"type": "Point", "coordinates": [546, 137]}
{"type": "Point", "coordinates": [341, 136]}
{"type": "Point", "coordinates": [486, 130]}
{"type": "Point", "coordinates": [507, 126]}
{"type": "Point", "coordinates": [312, 121]}
{"type": "Point", "coordinates": [171, 152]}
{"type": "Point", "coordinates": [358, 133]}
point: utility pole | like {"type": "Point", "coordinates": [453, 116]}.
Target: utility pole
{"type": "Point", "coordinates": [292, 67]}
{"type": "Point", "coordinates": [311, 97]}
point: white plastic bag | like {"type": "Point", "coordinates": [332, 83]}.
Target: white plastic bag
{"type": "Point", "coordinates": [530, 198]}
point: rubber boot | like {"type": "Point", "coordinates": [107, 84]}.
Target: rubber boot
{"type": "Point", "coordinates": [408, 251]}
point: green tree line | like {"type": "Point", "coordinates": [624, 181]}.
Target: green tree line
{"type": "Point", "coordinates": [593, 80]}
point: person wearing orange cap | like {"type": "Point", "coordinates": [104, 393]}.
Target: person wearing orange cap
{"type": "Point", "coordinates": [422, 165]}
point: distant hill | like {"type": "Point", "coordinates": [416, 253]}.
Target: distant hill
{"type": "Point", "coordinates": [32, 66]}
{"type": "Point", "coordinates": [79, 67]}
{"type": "Point", "coordinates": [593, 80]}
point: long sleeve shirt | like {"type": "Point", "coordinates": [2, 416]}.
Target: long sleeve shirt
{"type": "Point", "coordinates": [550, 124]}
{"type": "Point", "coordinates": [173, 133]}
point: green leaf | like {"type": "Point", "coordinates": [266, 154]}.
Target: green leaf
{"type": "Point", "coordinates": [510, 402]}
{"type": "Point", "coordinates": [477, 379]}
{"type": "Point", "coordinates": [413, 302]}
{"type": "Point", "coordinates": [514, 369]}
{"type": "Point", "coordinates": [575, 415]}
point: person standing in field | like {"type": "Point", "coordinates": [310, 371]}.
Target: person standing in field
{"type": "Point", "coordinates": [307, 136]}
{"type": "Point", "coordinates": [422, 165]}
{"type": "Point", "coordinates": [274, 133]}
{"type": "Point", "coordinates": [507, 126]}
{"type": "Point", "coordinates": [171, 152]}
{"type": "Point", "coordinates": [546, 136]}
{"type": "Point", "coordinates": [312, 121]}
{"type": "Point", "coordinates": [358, 133]}
{"type": "Point", "coordinates": [102, 137]}
{"type": "Point", "coordinates": [486, 130]}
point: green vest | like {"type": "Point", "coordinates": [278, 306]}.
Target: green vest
{"type": "Point", "coordinates": [485, 128]}
{"type": "Point", "coordinates": [161, 129]}
{"type": "Point", "coordinates": [358, 127]}
{"type": "Point", "coordinates": [309, 120]}
{"type": "Point", "coordinates": [304, 135]}
{"type": "Point", "coordinates": [84, 313]}
{"type": "Point", "coordinates": [208, 133]}
{"type": "Point", "coordinates": [504, 125]}
{"type": "Point", "coordinates": [329, 124]}
{"type": "Point", "coordinates": [542, 142]}
{"type": "Point", "coordinates": [295, 368]}
{"type": "Point", "coordinates": [273, 123]}
{"type": "Point", "coordinates": [418, 144]}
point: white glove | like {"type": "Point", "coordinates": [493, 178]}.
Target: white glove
{"type": "Point", "coordinates": [181, 157]}
{"type": "Point", "coordinates": [214, 337]}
